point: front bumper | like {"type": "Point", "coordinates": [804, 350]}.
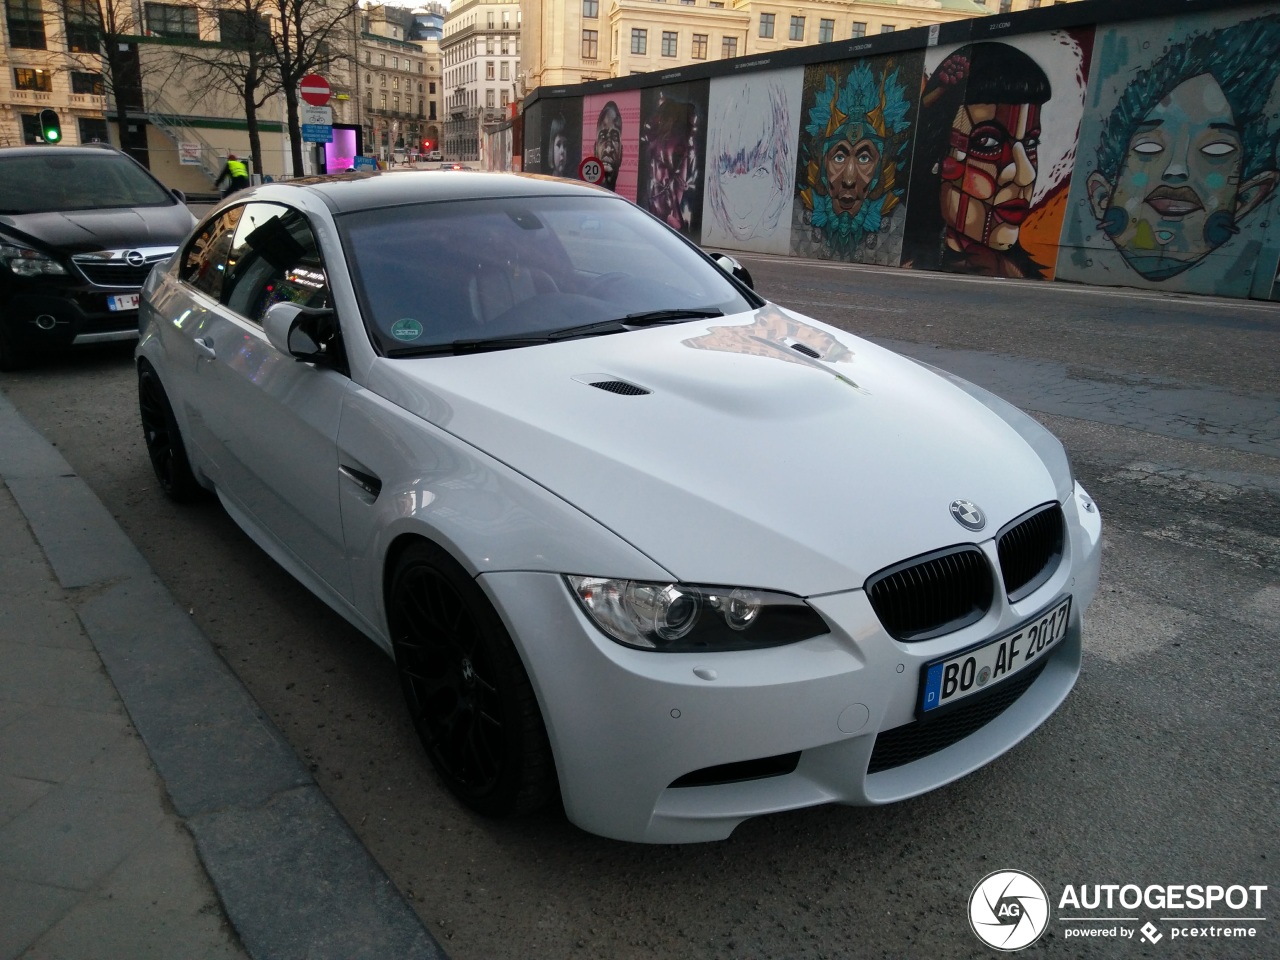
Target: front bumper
{"type": "Point", "coordinates": [55, 313]}
{"type": "Point", "coordinates": [755, 732]}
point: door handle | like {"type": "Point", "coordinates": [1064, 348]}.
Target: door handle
{"type": "Point", "coordinates": [204, 346]}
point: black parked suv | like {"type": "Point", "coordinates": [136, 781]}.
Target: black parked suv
{"type": "Point", "coordinates": [80, 229]}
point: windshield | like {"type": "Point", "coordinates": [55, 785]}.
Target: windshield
{"type": "Point", "coordinates": [444, 277]}
{"type": "Point", "coordinates": [48, 183]}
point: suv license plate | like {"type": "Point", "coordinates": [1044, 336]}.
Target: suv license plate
{"type": "Point", "coordinates": [961, 675]}
{"type": "Point", "coordinates": [127, 301]}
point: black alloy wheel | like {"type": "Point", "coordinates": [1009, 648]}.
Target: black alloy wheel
{"type": "Point", "coordinates": [163, 439]}
{"type": "Point", "coordinates": [467, 691]}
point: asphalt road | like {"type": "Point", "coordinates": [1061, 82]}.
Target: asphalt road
{"type": "Point", "coordinates": [1161, 768]}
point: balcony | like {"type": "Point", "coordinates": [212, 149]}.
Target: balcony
{"type": "Point", "coordinates": [31, 96]}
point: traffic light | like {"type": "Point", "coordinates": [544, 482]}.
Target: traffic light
{"type": "Point", "coordinates": [50, 126]}
{"type": "Point", "coordinates": [428, 145]}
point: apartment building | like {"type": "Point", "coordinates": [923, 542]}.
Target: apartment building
{"type": "Point", "coordinates": [400, 82]}
{"type": "Point", "coordinates": [481, 55]}
{"type": "Point", "coordinates": [576, 41]}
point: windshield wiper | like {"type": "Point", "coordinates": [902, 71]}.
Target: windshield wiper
{"type": "Point", "coordinates": [630, 322]}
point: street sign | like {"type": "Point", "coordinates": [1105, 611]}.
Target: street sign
{"type": "Point", "coordinates": [316, 115]}
{"type": "Point", "coordinates": [591, 170]}
{"type": "Point", "coordinates": [315, 90]}
{"type": "Point", "coordinates": [317, 133]}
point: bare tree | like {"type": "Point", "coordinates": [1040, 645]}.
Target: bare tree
{"type": "Point", "coordinates": [310, 36]}
{"type": "Point", "coordinates": [242, 63]}
{"type": "Point", "coordinates": [101, 29]}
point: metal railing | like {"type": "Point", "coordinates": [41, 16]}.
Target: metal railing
{"type": "Point", "coordinates": [174, 125]}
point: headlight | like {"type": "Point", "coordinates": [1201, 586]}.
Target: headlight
{"type": "Point", "coordinates": [26, 262]}
{"type": "Point", "coordinates": [683, 618]}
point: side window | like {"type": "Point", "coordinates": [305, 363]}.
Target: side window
{"type": "Point", "coordinates": [273, 258]}
{"type": "Point", "coordinates": [204, 262]}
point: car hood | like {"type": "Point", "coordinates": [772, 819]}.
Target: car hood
{"type": "Point", "coordinates": [764, 450]}
{"type": "Point", "coordinates": [87, 231]}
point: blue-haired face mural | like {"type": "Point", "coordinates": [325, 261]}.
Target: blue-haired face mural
{"type": "Point", "coordinates": [1189, 150]}
{"type": "Point", "coordinates": [854, 140]}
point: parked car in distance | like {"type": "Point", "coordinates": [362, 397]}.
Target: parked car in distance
{"type": "Point", "coordinates": [80, 229]}
{"type": "Point", "coordinates": [433, 156]}
{"type": "Point", "coordinates": [634, 536]}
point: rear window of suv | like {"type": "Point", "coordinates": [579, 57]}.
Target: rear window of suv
{"type": "Point", "coordinates": [53, 182]}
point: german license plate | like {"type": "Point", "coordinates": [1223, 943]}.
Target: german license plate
{"type": "Point", "coordinates": [961, 675]}
{"type": "Point", "coordinates": [125, 301]}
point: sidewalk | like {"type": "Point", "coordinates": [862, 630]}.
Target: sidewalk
{"type": "Point", "coordinates": [148, 808]}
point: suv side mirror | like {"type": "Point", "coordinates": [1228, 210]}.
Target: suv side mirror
{"type": "Point", "coordinates": [309, 334]}
{"type": "Point", "coordinates": [733, 268]}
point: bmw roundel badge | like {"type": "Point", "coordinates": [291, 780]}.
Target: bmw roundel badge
{"type": "Point", "coordinates": [968, 514]}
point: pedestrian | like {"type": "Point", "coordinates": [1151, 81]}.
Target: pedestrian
{"type": "Point", "coordinates": [236, 173]}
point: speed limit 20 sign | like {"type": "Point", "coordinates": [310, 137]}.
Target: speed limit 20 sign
{"type": "Point", "coordinates": [591, 170]}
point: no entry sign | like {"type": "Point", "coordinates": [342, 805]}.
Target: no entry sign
{"type": "Point", "coordinates": [315, 90]}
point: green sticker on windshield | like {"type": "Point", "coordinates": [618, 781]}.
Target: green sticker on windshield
{"type": "Point", "coordinates": [406, 328]}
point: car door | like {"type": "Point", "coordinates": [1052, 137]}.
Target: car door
{"type": "Point", "coordinates": [270, 421]}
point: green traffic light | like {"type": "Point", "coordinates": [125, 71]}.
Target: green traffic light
{"type": "Point", "coordinates": [50, 126]}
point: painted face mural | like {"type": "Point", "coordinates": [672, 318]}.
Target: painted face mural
{"type": "Point", "coordinates": [751, 160]}
{"type": "Point", "coordinates": [990, 172]}
{"type": "Point", "coordinates": [979, 142]}
{"type": "Point", "coordinates": [672, 173]}
{"type": "Point", "coordinates": [609, 143]}
{"type": "Point", "coordinates": [1197, 159]}
{"type": "Point", "coordinates": [853, 156]}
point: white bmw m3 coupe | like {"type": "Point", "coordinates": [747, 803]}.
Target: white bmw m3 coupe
{"type": "Point", "coordinates": [632, 534]}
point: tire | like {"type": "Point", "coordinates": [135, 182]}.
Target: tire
{"type": "Point", "coordinates": [467, 691]}
{"type": "Point", "coordinates": [164, 440]}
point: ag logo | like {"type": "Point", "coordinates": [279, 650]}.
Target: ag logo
{"type": "Point", "coordinates": [1008, 910]}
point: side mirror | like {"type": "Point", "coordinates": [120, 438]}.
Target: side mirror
{"type": "Point", "coordinates": [178, 195]}
{"type": "Point", "coordinates": [733, 268]}
{"type": "Point", "coordinates": [304, 333]}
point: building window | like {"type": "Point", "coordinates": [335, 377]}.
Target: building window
{"type": "Point", "coordinates": [168, 20]}
{"type": "Point", "coordinates": [24, 78]}
{"type": "Point", "coordinates": [87, 83]}
{"type": "Point", "coordinates": [506, 19]}
{"type": "Point", "coordinates": [382, 59]}
{"type": "Point", "coordinates": [93, 130]}
{"type": "Point", "coordinates": [504, 70]}
{"type": "Point", "coordinates": [490, 20]}
{"type": "Point", "coordinates": [826, 31]}
{"type": "Point", "coordinates": [488, 69]}
{"type": "Point", "coordinates": [1033, 4]}
{"type": "Point", "coordinates": [382, 102]}
{"type": "Point", "coordinates": [699, 46]}
{"type": "Point", "coordinates": [26, 24]}
{"type": "Point", "coordinates": [489, 100]}
{"type": "Point", "coordinates": [395, 103]}
{"type": "Point", "coordinates": [1006, 6]}
{"type": "Point", "coordinates": [82, 26]}
{"type": "Point", "coordinates": [590, 44]}
{"type": "Point", "coordinates": [395, 63]}
{"type": "Point", "coordinates": [243, 28]}
{"type": "Point", "coordinates": [888, 28]}
{"type": "Point", "coordinates": [395, 83]}
{"type": "Point", "coordinates": [766, 24]}
{"type": "Point", "coordinates": [729, 47]}
{"type": "Point", "coordinates": [797, 28]}
{"type": "Point", "coordinates": [591, 9]}
{"type": "Point", "coordinates": [669, 41]}
{"type": "Point", "coordinates": [488, 46]}
{"type": "Point", "coordinates": [382, 79]}
{"type": "Point", "coordinates": [420, 107]}
{"type": "Point", "coordinates": [506, 98]}
{"type": "Point", "coordinates": [859, 29]}
{"type": "Point", "coordinates": [431, 88]}
{"type": "Point", "coordinates": [716, 4]}
{"type": "Point", "coordinates": [639, 40]}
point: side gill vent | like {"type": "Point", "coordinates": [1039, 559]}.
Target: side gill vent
{"type": "Point", "coordinates": [620, 387]}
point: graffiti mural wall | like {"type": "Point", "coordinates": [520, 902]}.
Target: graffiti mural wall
{"type": "Point", "coordinates": [1137, 153]}
{"type": "Point", "coordinates": [994, 153]}
{"type": "Point", "coordinates": [673, 147]}
{"type": "Point", "coordinates": [856, 125]}
{"type": "Point", "coordinates": [751, 161]}
{"type": "Point", "coordinates": [1177, 172]}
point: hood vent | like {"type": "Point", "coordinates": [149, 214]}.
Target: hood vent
{"type": "Point", "coordinates": [804, 348]}
{"type": "Point", "coordinates": [620, 387]}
